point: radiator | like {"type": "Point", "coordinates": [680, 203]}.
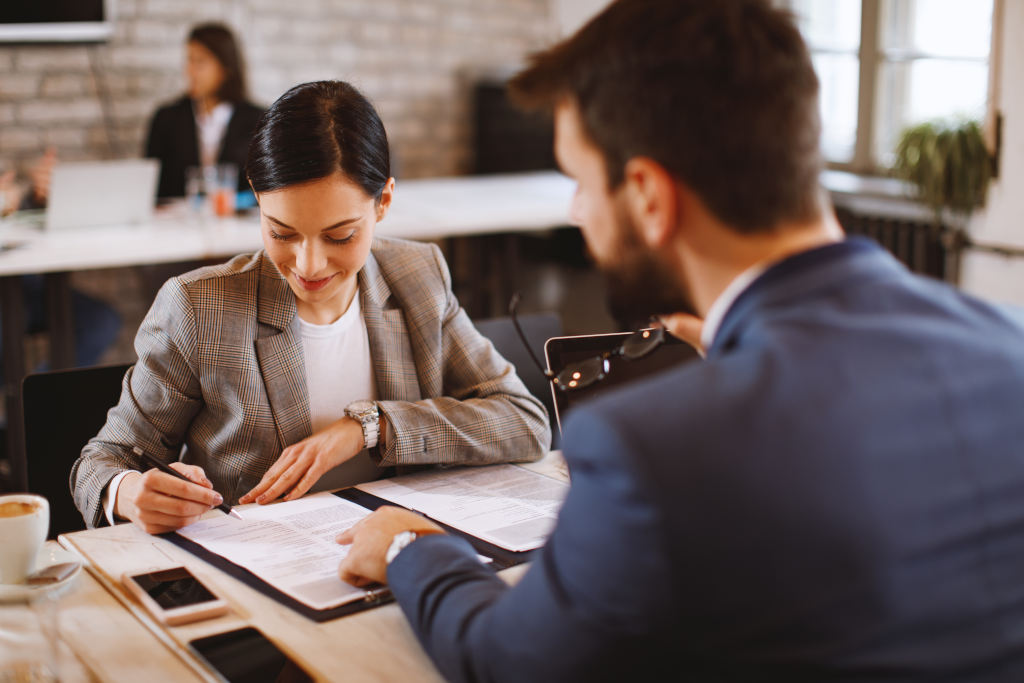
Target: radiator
{"type": "Point", "coordinates": [920, 245]}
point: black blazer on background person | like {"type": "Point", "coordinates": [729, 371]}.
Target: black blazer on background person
{"type": "Point", "coordinates": [174, 140]}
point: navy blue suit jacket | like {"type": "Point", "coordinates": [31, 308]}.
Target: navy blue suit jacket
{"type": "Point", "coordinates": [836, 493]}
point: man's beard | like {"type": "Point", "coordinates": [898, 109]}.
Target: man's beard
{"type": "Point", "coordinates": [639, 284]}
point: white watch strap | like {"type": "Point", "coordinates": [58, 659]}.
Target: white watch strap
{"type": "Point", "coordinates": [398, 543]}
{"type": "Point", "coordinates": [371, 432]}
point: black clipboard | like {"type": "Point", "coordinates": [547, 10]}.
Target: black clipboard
{"type": "Point", "coordinates": [500, 559]}
{"type": "Point", "coordinates": [374, 597]}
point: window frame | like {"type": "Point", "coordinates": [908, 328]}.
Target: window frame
{"type": "Point", "coordinates": [870, 58]}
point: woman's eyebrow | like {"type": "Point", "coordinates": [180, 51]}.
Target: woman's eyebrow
{"type": "Point", "coordinates": [339, 224]}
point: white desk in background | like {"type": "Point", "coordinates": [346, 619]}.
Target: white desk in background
{"type": "Point", "coordinates": [424, 209]}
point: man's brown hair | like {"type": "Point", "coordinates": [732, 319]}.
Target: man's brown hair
{"type": "Point", "coordinates": [722, 93]}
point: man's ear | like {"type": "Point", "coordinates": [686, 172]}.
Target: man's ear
{"type": "Point", "coordinates": [652, 199]}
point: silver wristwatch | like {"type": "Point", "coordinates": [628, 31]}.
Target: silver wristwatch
{"type": "Point", "coordinates": [398, 543]}
{"type": "Point", "coordinates": [367, 415]}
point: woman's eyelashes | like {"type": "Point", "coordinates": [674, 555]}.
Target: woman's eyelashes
{"type": "Point", "coordinates": [340, 240]}
{"type": "Point", "coordinates": [327, 237]}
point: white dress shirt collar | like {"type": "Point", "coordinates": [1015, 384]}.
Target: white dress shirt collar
{"type": "Point", "coordinates": [725, 300]}
{"type": "Point", "coordinates": [211, 128]}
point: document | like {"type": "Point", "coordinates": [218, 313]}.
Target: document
{"type": "Point", "coordinates": [509, 506]}
{"type": "Point", "coordinates": [289, 545]}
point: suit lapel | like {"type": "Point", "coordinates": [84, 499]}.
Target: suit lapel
{"type": "Point", "coordinates": [394, 366]}
{"type": "Point", "coordinates": [279, 352]}
{"type": "Point", "coordinates": [189, 135]}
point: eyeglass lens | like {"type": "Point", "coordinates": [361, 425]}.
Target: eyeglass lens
{"type": "Point", "coordinates": [585, 373]}
{"type": "Point", "coordinates": [579, 375]}
{"type": "Point", "coordinates": [642, 342]}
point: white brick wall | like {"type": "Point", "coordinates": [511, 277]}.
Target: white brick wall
{"type": "Point", "coordinates": [413, 58]}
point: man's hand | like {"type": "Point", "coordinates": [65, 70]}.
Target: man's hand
{"type": "Point", "coordinates": [302, 464]}
{"type": "Point", "coordinates": [684, 326]}
{"type": "Point", "coordinates": [371, 537]}
{"type": "Point", "coordinates": [158, 502]}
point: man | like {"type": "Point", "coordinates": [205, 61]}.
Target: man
{"type": "Point", "coordinates": [835, 493]}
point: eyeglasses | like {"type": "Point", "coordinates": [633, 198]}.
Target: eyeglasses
{"type": "Point", "coordinates": [583, 374]}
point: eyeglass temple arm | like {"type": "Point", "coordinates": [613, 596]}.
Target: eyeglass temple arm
{"type": "Point", "coordinates": [512, 306]}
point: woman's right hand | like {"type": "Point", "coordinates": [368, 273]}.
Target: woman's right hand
{"type": "Point", "coordinates": [158, 502]}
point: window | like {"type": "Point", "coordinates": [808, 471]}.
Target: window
{"type": "Point", "coordinates": [888, 64]}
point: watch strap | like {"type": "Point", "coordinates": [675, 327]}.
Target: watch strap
{"type": "Point", "coordinates": [398, 543]}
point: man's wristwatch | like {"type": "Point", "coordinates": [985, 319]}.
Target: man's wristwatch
{"type": "Point", "coordinates": [367, 415]}
{"type": "Point", "coordinates": [398, 543]}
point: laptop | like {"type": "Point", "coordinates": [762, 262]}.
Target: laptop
{"type": "Point", "coordinates": [562, 351]}
{"type": "Point", "coordinates": [86, 194]}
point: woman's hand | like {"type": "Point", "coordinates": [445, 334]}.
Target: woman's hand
{"type": "Point", "coordinates": [302, 464]}
{"type": "Point", "coordinates": [158, 502]}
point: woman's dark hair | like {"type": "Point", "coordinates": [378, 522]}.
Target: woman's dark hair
{"type": "Point", "coordinates": [315, 130]}
{"type": "Point", "coordinates": [218, 39]}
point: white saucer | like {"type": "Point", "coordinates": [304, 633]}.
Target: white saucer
{"type": "Point", "coordinates": [49, 555]}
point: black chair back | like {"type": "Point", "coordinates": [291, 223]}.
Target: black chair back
{"type": "Point", "coordinates": [63, 410]}
{"type": "Point", "coordinates": [538, 328]}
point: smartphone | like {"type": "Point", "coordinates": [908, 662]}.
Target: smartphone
{"type": "Point", "coordinates": [175, 596]}
{"type": "Point", "coordinates": [247, 656]}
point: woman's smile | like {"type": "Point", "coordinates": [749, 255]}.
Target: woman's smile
{"type": "Point", "coordinates": [312, 285]}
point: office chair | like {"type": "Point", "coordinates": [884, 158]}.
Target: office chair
{"type": "Point", "coordinates": [538, 328]}
{"type": "Point", "coordinates": [63, 410]}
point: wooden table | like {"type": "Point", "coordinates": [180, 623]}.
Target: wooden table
{"type": "Point", "coordinates": [107, 636]}
{"type": "Point", "coordinates": [100, 640]}
{"type": "Point", "coordinates": [423, 209]}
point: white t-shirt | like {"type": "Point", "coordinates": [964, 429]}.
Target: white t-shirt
{"type": "Point", "coordinates": [339, 370]}
{"type": "Point", "coordinates": [210, 129]}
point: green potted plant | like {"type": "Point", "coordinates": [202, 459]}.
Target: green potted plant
{"type": "Point", "coordinates": [948, 167]}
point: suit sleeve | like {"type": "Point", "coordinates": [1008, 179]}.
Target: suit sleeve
{"type": "Point", "coordinates": [160, 396]}
{"type": "Point", "coordinates": [485, 415]}
{"type": "Point", "coordinates": [590, 599]}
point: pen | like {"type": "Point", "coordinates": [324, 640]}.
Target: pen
{"type": "Point", "coordinates": [223, 507]}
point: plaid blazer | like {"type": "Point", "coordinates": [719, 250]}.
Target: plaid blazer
{"type": "Point", "coordinates": [220, 371]}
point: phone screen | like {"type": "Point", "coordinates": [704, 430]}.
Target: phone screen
{"type": "Point", "coordinates": [173, 588]}
{"type": "Point", "coordinates": [246, 656]}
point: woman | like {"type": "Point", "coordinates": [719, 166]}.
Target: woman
{"type": "Point", "coordinates": [213, 122]}
{"type": "Point", "coordinates": [279, 367]}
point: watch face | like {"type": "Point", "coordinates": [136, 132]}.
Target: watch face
{"type": "Point", "coordinates": [362, 408]}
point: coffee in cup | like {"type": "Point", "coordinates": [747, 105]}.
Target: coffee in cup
{"type": "Point", "coordinates": [24, 522]}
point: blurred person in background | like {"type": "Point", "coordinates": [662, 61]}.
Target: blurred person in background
{"type": "Point", "coordinates": [213, 121]}
{"type": "Point", "coordinates": [96, 324]}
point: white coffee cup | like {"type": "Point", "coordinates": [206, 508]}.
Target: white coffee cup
{"type": "Point", "coordinates": [24, 522]}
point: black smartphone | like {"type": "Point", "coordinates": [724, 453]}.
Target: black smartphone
{"type": "Point", "coordinates": [247, 656]}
